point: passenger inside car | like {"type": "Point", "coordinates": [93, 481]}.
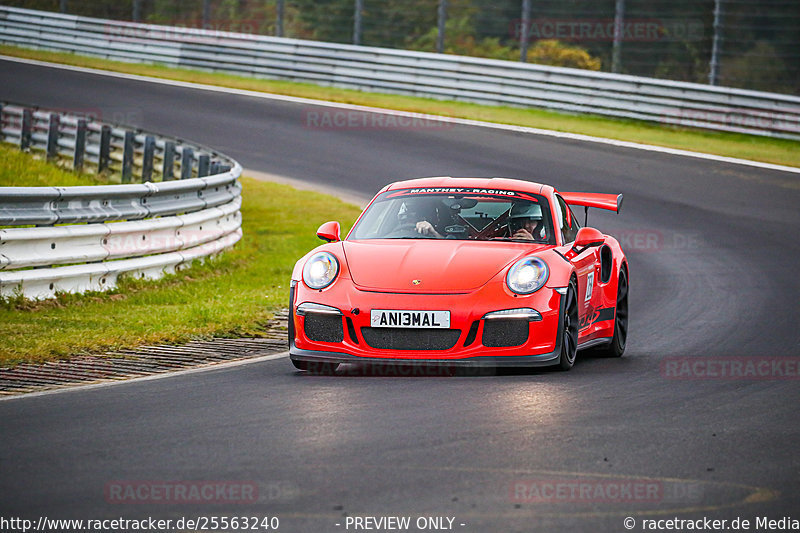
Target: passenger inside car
{"type": "Point", "coordinates": [525, 222]}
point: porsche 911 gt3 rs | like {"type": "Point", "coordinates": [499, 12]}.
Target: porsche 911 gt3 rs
{"type": "Point", "coordinates": [462, 271]}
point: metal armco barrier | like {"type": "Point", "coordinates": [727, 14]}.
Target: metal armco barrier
{"type": "Point", "coordinates": [86, 237]}
{"type": "Point", "coordinates": [441, 76]}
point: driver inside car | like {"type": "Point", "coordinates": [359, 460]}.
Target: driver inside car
{"type": "Point", "coordinates": [413, 213]}
{"type": "Point", "coordinates": [525, 222]}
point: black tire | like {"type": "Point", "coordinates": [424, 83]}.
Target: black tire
{"type": "Point", "coordinates": [617, 346]}
{"type": "Point", "coordinates": [569, 340]}
{"type": "Point", "coordinates": [315, 367]}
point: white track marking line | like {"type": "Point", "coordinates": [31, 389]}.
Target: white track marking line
{"type": "Point", "coordinates": [406, 114]}
{"type": "Point", "coordinates": [153, 377]}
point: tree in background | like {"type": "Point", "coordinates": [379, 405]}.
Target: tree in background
{"type": "Point", "coordinates": [87, 8]}
{"type": "Point", "coordinates": [557, 54]}
{"type": "Point", "coordinates": [761, 58]}
{"type": "Point", "coordinates": [761, 47]}
{"type": "Point", "coordinates": [326, 20]}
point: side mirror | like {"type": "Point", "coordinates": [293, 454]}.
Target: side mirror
{"type": "Point", "coordinates": [329, 232]}
{"type": "Point", "coordinates": [588, 237]}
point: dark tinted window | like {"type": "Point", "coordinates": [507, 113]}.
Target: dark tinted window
{"type": "Point", "coordinates": [472, 215]}
{"type": "Point", "coordinates": [568, 224]}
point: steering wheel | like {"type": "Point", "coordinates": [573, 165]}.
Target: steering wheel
{"type": "Point", "coordinates": [407, 230]}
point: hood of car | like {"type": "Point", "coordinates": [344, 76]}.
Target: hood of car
{"type": "Point", "coordinates": [429, 266]}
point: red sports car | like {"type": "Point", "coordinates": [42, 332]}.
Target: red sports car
{"type": "Point", "coordinates": [461, 271]}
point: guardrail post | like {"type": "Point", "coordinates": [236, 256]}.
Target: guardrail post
{"type": "Point", "coordinates": [52, 136]}
{"type": "Point", "coordinates": [716, 44]}
{"type": "Point", "coordinates": [279, 19]}
{"type": "Point", "coordinates": [169, 162]}
{"type": "Point", "coordinates": [2, 122]}
{"type": "Point", "coordinates": [619, 22]}
{"type": "Point", "coordinates": [214, 169]}
{"type": "Point", "coordinates": [186, 163]}
{"type": "Point", "coordinates": [127, 157]}
{"type": "Point", "coordinates": [524, 30]}
{"type": "Point", "coordinates": [104, 156]}
{"type": "Point", "coordinates": [80, 145]}
{"type": "Point", "coordinates": [202, 165]}
{"type": "Point", "coordinates": [206, 13]}
{"type": "Point", "coordinates": [147, 158]}
{"type": "Point", "coordinates": [359, 7]}
{"type": "Point", "coordinates": [441, 23]}
{"type": "Point", "coordinates": [27, 125]}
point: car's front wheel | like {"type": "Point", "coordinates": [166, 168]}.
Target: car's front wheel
{"type": "Point", "coordinates": [569, 340]}
{"type": "Point", "coordinates": [315, 367]}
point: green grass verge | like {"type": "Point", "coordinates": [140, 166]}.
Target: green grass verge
{"type": "Point", "coordinates": [778, 151]}
{"type": "Point", "coordinates": [234, 294]}
{"type": "Point", "coordinates": [20, 169]}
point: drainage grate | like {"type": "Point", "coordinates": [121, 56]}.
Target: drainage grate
{"type": "Point", "coordinates": [147, 360]}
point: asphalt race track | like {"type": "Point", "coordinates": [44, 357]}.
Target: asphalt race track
{"type": "Point", "coordinates": [713, 253]}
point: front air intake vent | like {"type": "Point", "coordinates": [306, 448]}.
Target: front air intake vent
{"type": "Point", "coordinates": [324, 328]}
{"type": "Point", "coordinates": [502, 333]}
{"type": "Point", "coordinates": [410, 338]}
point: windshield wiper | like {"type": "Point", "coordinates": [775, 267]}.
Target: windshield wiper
{"type": "Point", "coordinates": [512, 239]}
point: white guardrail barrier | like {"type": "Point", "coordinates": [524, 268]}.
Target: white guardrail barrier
{"type": "Point", "coordinates": [418, 73]}
{"type": "Point", "coordinates": [83, 238]}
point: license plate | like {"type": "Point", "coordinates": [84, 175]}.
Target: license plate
{"type": "Point", "coordinates": [386, 318]}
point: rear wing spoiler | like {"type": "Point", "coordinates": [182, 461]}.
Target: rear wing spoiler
{"type": "Point", "coordinates": [611, 202]}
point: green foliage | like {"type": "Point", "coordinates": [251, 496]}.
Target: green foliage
{"type": "Point", "coordinates": [20, 169]}
{"type": "Point", "coordinates": [461, 41]}
{"type": "Point", "coordinates": [396, 24]}
{"type": "Point", "coordinates": [687, 63]}
{"type": "Point", "coordinates": [224, 15]}
{"type": "Point", "coordinates": [557, 54]}
{"type": "Point", "coordinates": [326, 20]}
{"type": "Point", "coordinates": [761, 58]}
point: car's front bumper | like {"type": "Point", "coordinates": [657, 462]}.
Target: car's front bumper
{"type": "Point", "coordinates": [354, 339]}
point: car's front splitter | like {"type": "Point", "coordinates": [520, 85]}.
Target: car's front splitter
{"type": "Point", "coordinates": [548, 359]}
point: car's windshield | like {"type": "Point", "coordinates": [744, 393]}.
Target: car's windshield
{"type": "Point", "coordinates": [457, 213]}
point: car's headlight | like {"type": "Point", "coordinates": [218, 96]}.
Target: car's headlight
{"type": "Point", "coordinates": [320, 270]}
{"type": "Point", "coordinates": [527, 275]}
